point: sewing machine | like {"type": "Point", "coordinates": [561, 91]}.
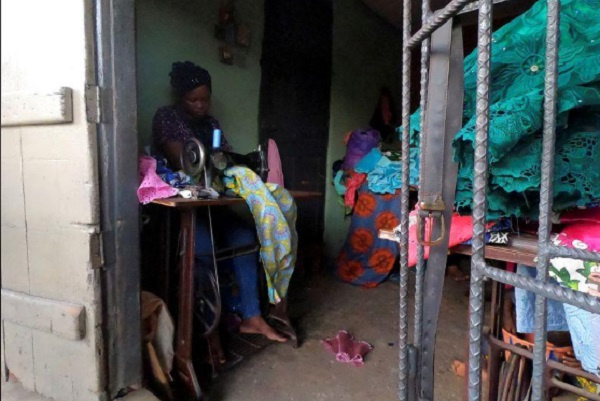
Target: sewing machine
{"type": "Point", "coordinates": [196, 159]}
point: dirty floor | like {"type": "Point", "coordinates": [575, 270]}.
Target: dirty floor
{"type": "Point", "coordinates": [308, 373]}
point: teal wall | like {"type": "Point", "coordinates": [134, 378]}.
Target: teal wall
{"type": "Point", "coordinates": [366, 55]}
{"type": "Point", "coordinates": [178, 30]}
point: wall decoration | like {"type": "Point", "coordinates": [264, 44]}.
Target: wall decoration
{"type": "Point", "coordinates": [226, 55]}
{"type": "Point", "coordinates": [243, 35]}
{"type": "Point", "coordinates": [232, 34]}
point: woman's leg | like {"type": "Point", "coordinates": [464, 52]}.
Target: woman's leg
{"type": "Point", "coordinates": [245, 267]}
{"type": "Point", "coordinates": [236, 233]}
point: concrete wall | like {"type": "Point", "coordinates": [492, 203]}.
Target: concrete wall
{"type": "Point", "coordinates": [169, 31]}
{"type": "Point", "coordinates": [366, 56]}
{"type": "Point", "coordinates": [50, 207]}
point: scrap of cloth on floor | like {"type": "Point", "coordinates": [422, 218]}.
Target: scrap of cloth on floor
{"type": "Point", "coordinates": [346, 349]}
{"type": "Point", "coordinates": [516, 113]}
{"type": "Point", "coordinates": [365, 258]}
{"type": "Point", "coordinates": [274, 212]}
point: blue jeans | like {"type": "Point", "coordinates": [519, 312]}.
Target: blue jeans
{"type": "Point", "coordinates": [525, 305]}
{"type": "Point", "coordinates": [230, 231]}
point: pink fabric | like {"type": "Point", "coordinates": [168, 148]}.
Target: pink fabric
{"type": "Point", "coordinates": [352, 184]}
{"type": "Point", "coordinates": [151, 185]}
{"type": "Point", "coordinates": [587, 232]}
{"type": "Point", "coordinates": [346, 349]}
{"type": "Point", "coordinates": [275, 171]}
{"type": "Point", "coordinates": [581, 215]}
{"type": "Point", "coordinates": [461, 230]}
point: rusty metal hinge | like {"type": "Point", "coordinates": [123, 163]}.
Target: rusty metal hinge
{"type": "Point", "coordinates": [97, 250]}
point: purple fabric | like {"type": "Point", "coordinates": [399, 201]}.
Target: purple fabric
{"type": "Point", "coordinates": [359, 144]}
{"type": "Point", "coordinates": [346, 349]}
{"type": "Point", "coordinates": [172, 124]}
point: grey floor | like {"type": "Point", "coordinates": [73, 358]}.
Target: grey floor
{"type": "Point", "coordinates": [309, 373]}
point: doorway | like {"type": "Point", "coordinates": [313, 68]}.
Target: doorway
{"type": "Point", "coordinates": [295, 97]}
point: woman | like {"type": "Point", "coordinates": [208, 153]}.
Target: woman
{"type": "Point", "coordinates": [172, 126]}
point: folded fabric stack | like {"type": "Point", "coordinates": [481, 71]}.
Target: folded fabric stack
{"type": "Point", "coordinates": [516, 114]}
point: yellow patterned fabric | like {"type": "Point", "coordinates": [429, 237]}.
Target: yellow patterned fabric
{"type": "Point", "coordinates": [587, 385]}
{"type": "Point", "coordinates": [274, 212]}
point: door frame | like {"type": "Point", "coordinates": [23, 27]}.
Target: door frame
{"type": "Point", "coordinates": [112, 105]}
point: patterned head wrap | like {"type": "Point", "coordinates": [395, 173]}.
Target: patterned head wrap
{"type": "Point", "coordinates": [187, 76]}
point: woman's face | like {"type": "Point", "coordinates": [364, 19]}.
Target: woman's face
{"type": "Point", "coordinates": [197, 101]}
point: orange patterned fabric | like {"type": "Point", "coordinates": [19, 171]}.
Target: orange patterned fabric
{"type": "Point", "coordinates": [361, 240]}
{"type": "Point", "coordinates": [382, 261]}
{"type": "Point", "coordinates": [365, 205]}
{"type": "Point", "coordinates": [366, 259]}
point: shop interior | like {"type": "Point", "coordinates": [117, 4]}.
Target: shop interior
{"type": "Point", "coordinates": [318, 77]}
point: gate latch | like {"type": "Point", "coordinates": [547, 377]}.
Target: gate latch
{"type": "Point", "coordinates": [430, 211]}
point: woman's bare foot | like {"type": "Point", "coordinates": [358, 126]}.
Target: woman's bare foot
{"type": "Point", "coordinates": [258, 325]}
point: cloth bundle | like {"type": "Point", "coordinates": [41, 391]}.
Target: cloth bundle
{"type": "Point", "coordinates": [274, 212]}
{"type": "Point", "coordinates": [516, 114]}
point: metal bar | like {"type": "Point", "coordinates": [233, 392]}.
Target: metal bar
{"type": "Point", "coordinates": [420, 268]}
{"type": "Point", "coordinates": [472, 6]}
{"type": "Point", "coordinates": [403, 367]}
{"type": "Point", "coordinates": [575, 390]}
{"type": "Point", "coordinates": [425, 14]}
{"type": "Point", "coordinates": [554, 251]}
{"type": "Point", "coordinates": [546, 194]}
{"type": "Point", "coordinates": [183, 353]}
{"type": "Point", "coordinates": [552, 291]}
{"type": "Point", "coordinates": [497, 343]}
{"type": "Point", "coordinates": [476, 301]}
{"type": "Point", "coordinates": [438, 19]}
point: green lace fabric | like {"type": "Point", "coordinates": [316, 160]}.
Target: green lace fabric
{"type": "Point", "coordinates": [516, 114]}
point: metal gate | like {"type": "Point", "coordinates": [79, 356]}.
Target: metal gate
{"type": "Point", "coordinates": [416, 378]}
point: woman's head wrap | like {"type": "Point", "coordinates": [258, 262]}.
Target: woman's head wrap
{"type": "Point", "coordinates": [187, 76]}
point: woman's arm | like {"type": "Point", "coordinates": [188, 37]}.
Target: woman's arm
{"type": "Point", "coordinates": [172, 150]}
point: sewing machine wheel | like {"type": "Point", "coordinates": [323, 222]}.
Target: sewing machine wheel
{"type": "Point", "coordinates": [208, 303]}
{"type": "Point", "coordinates": [193, 157]}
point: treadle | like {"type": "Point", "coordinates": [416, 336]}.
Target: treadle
{"type": "Point", "coordinates": [240, 346]}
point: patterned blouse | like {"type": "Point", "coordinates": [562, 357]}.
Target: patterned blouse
{"type": "Point", "coordinates": [172, 124]}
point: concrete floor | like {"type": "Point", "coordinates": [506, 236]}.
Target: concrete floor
{"type": "Point", "coordinates": [310, 373]}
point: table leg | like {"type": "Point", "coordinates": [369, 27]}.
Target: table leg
{"type": "Point", "coordinates": [165, 255]}
{"type": "Point", "coordinates": [183, 357]}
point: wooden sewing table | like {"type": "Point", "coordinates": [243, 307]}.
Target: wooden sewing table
{"type": "Point", "coordinates": [187, 212]}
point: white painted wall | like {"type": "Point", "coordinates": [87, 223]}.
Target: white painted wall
{"type": "Point", "coordinates": [50, 205]}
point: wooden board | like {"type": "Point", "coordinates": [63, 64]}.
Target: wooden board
{"type": "Point", "coordinates": [522, 249]}
{"type": "Point", "coordinates": [223, 201]}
